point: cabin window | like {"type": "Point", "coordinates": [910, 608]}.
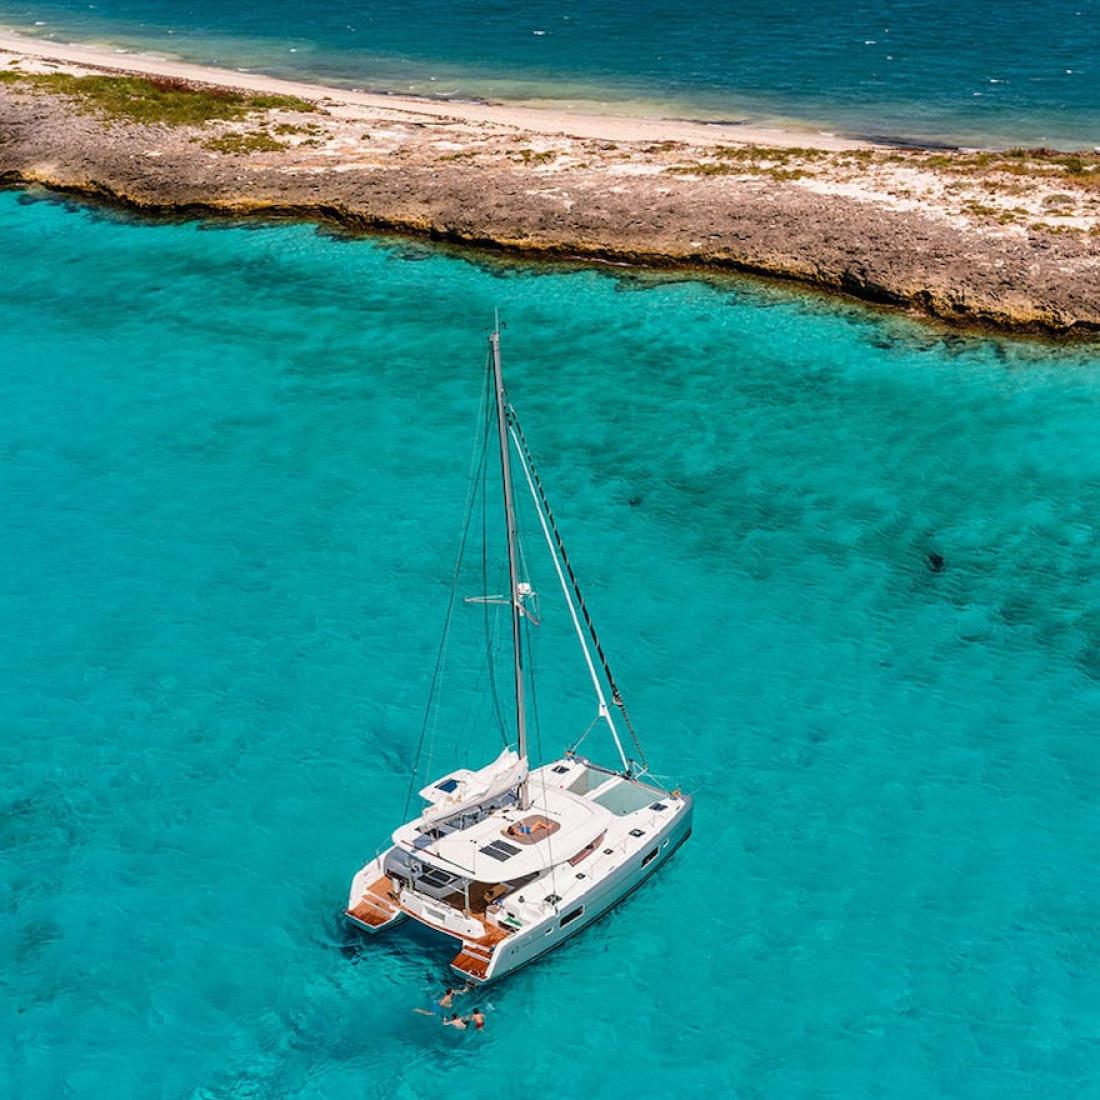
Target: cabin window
{"type": "Point", "coordinates": [572, 916]}
{"type": "Point", "coordinates": [650, 856]}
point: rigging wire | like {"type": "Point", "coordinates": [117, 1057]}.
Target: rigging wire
{"type": "Point", "coordinates": [616, 695]}
{"type": "Point", "coordinates": [538, 745]}
{"type": "Point", "coordinates": [477, 465]}
{"type": "Point", "coordinates": [494, 691]}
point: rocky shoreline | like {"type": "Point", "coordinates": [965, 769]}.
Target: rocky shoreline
{"type": "Point", "coordinates": [1008, 241]}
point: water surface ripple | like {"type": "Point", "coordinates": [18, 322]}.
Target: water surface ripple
{"type": "Point", "coordinates": [233, 469]}
{"type": "Point", "coordinates": [976, 71]}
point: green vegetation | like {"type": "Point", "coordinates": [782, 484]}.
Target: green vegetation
{"type": "Point", "coordinates": [291, 128]}
{"type": "Point", "coordinates": [259, 141]}
{"type": "Point", "coordinates": [749, 168]}
{"type": "Point", "coordinates": [1081, 170]}
{"type": "Point", "coordinates": [530, 156]}
{"type": "Point", "coordinates": [982, 210]}
{"type": "Point", "coordinates": [156, 100]}
{"type": "Point", "coordinates": [707, 168]}
{"type": "Point", "coordinates": [782, 174]}
{"type": "Point", "coordinates": [780, 163]}
{"type": "Point", "coordinates": [778, 155]}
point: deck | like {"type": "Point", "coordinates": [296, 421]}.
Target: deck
{"type": "Point", "coordinates": [378, 906]}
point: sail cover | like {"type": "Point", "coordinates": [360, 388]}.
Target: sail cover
{"type": "Point", "coordinates": [470, 789]}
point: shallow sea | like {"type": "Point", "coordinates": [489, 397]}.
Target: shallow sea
{"type": "Point", "coordinates": [234, 462]}
{"type": "Point", "coordinates": [974, 71]}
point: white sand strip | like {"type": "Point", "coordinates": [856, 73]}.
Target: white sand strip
{"type": "Point", "coordinates": [530, 119]}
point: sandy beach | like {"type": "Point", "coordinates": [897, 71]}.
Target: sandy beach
{"type": "Point", "coordinates": [605, 127]}
{"type": "Point", "coordinates": [1009, 240]}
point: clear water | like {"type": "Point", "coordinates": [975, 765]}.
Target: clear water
{"type": "Point", "coordinates": [233, 470]}
{"type": "Point", "coordinates": [977, 71]}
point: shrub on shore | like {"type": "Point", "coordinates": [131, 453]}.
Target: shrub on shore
{"type": "Point", "coordinates": [256, 142]}
{"type": "Point", "coordinates": [156, 100]}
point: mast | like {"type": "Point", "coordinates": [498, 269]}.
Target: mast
{"type": "Point", "coordinates": [510, 528]}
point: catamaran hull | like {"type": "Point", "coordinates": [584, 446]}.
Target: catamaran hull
{"type": "Point", "coordinates": [541, 938]}
{"type": "Point", "coordinates": [374, 929]}
{"type": "Point", "coordinates": [371, 905]}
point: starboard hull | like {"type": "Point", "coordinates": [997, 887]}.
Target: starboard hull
{"type": "Point", "coordinates": [540, 939]}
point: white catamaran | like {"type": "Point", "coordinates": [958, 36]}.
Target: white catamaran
{"type": "Point", "coordinates": [511, 862]}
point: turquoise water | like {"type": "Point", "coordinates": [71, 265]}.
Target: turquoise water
{"type": "Point", "coordinates": [975, 71]}
{"type": "Point", "coordinates": [234, 463]}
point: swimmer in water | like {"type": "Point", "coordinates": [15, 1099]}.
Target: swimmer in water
{"type": "Point", "coordinates": [454, 1021]}
{"type": "Point", "coordinates": [477, 1018]}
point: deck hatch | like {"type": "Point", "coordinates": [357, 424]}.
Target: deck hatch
{"type": "Point", "coordinates": [637, 832]}
{"type": "Point", "coordinates": [659, 807]}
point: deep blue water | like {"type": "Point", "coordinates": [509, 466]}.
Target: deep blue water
{"type": "Point", "coordinates": [233, 470]}
{"type": "Point", "coordinates": [980, 71]}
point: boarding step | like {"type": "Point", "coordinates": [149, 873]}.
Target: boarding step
{"type": "Point", "coordinates": [474, 959]}
{"type": "Point", "coordinates": [376, 907]}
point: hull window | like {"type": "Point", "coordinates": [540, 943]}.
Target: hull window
{"type": "Point", "coordinates": [650, 856]}
{"type": "Point", "coordinates": [570, 917]}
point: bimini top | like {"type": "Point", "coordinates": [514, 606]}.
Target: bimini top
{"type": "Point", "coordinates": [488, 852]}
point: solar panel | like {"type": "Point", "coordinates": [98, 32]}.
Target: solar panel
{"type": "Point", "coordinates": [499, 849]}
{"type": "Point", "coordinates": [435, 877]}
